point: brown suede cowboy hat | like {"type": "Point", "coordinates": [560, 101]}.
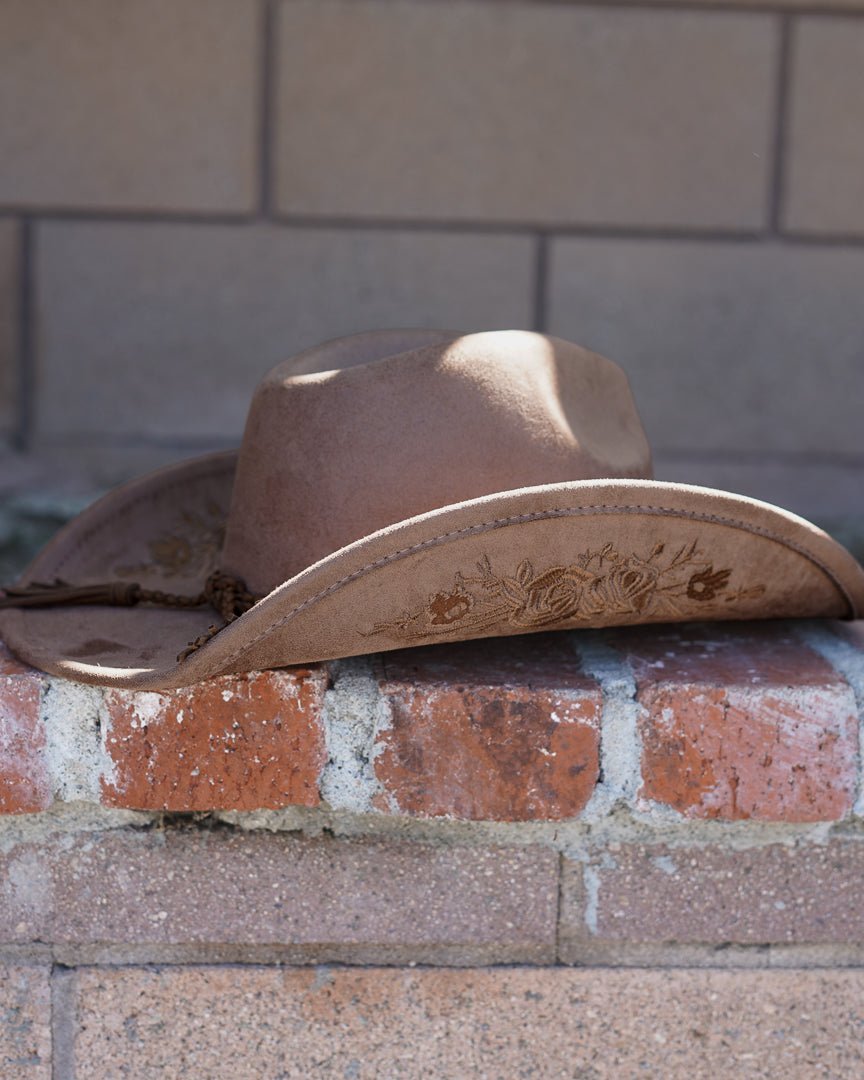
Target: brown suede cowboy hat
{"type": "Point", "coordinates": [401, 488]}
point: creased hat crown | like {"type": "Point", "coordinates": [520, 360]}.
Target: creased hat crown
{"type": "Point", "coordinates": [421, 421]}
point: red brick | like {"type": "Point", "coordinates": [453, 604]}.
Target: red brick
{"type": "Point", "coordinates": [743, 723]}
{"type": "Point", "coordinates": [25, 786]}
{"type": "Point", "coordinates": [234, 743]}
{"type": "Point", "coordinates": [654, 894]}
{"type": "Point", "coordinates": [502, 730]}
{"type": "Point", "coordinates": [752, 654]}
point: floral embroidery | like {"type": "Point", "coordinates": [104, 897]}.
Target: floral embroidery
{"type": "Point", "coordinates": [190, 550]}
{"type": "Point", "coordinates": [706, 584]}
{"type": "Point", "coordinates": [599, 585]}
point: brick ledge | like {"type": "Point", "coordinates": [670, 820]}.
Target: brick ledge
{"type": "Point", "coordinates": [756, 721]}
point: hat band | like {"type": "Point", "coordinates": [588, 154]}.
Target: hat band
{"type": "Point", "coordinates": [226, 594]}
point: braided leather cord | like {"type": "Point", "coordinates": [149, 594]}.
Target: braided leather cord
{"type": "Point", "coordinates": [226, 594]}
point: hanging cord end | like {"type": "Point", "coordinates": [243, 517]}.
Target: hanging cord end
{"type": "Point", "coordinates": [228, 595]}
{"type": "Point", "coordinates": [58, 593]}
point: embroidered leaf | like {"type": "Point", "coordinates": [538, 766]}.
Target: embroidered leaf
{"type": "Point", "coordinates": [524, 572]}
{"type": "Point", "coordinates": [577, 576]}
{"type": "Point", "coordinates": [513, 591]}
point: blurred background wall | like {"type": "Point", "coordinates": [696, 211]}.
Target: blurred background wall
{"type": "Point", "coordinates": [190, 190]}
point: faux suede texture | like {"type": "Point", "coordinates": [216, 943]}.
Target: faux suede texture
{"type": "Point", "coordinates": [415, 432]}
{"type": "Point", "coordinates": [412, 441]}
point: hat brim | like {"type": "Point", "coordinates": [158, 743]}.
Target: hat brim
{"type": "Point", "coordinates": [590, 553]}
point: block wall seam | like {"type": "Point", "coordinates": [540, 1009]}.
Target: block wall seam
{"type": "Point", "coordinates": [24, 341]}
{"type": "Point", "coordinates": [550, 231]}
{"type": "Point", "coordinates": [779, 124]}
{"type": "Point", "coordinates": [541, 282]}
{"type": "Point", "coordinates": [64, 1024]}
{"type": "Point", "coordinates": [559, 904]}
{"type": "Point", "coordinates": [267, 75]}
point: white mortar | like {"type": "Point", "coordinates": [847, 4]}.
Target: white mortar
{"type": "Point", "coordinates": [353, 714]}
{"type": "Point", "coordinates": [75, 723]}
{"type": "Point", "coordinates": [620, 743]}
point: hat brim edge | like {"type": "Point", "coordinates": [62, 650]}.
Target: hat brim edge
{"type": "Point", "coordinates": [244, 644]}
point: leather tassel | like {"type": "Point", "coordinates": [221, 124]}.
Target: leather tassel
{"type": "Point", "coordinates": [116, 594]}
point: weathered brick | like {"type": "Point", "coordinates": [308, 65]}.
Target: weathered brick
{"type": "Point", "coordinates": [186, 894]}
{"type": "Point", "coordinates": [141, 106]}
{"type": "Point", "coordinates": [825, 156]}
{"type": "Point", "coordinates": [542, 1023]}
{"type": "Point", "coordinates": [25, 785]}
{"type": "Point", "coordinates": [528, 112]}
{"type": "Point", "coordinates": [9, 309]}
{"type": "Point", "coordinates": [25, 1023]}
{"type": "Point", "coordinates": [719, 340]}
{"type": "Point", "coordinates": [504, 730]}
{"type": "Point", "coordinates": [126, 310]}
{"type": "Point", "coordinates": [234, 743]}
{"type": "Point", "coordinates": [654, 894]}
{"type": "Point", "coordinates": [742, 722]}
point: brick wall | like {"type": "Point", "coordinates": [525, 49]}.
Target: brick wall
{"type": "Point", "coordinates": [192, 189]}
{"type": "Point", "coordinates": [555, 856]}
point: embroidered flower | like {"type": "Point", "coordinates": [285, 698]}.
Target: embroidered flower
{"type": "Point", "coordinates": [172, 553]}
{"type": "Point", "coordinates": [535, 600]}
{"type": "Point", "coordinates": [599, 587]}
{"type": "Point", "coordinates": [448, 608]}
{"type": "Point", "coordinates": [189, 550]}
{"type": "Point", "coordinates": [705, 584]}
{"type": "Point", "coordinates": [625, 588]}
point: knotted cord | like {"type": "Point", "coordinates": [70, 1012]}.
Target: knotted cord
{"type": "Point", "coordinates": [226, 594]}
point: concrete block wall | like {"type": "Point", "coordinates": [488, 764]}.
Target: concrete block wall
{"type": "Point", "coordinates": [190, 190]}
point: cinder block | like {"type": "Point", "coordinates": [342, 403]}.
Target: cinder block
{"type": "Point", "coordinates": [827, 492]}
{"type": "Point", "coordinates": [9, 331]}
{"type": "Point", "coordinates": [503, 730]}
{"type": "Point", "coordinates": [742, 723]}
{"type": "Point", "coordinates": [734, 348]}
{"type": "Point", "coordinates": [598, 1023]}
{"type": "Point", "coordinates": [136, 106]}
{"type": "Point", "coordinates": [524, 112]}
{"type": "Point", "coordinates": [25, 1023]}
{"type": "Point", "coordinates": [242, 742]}
{"type": "Point", "coordinates": [657, 894]}
{"type": "Point", "coordinates": [163, 331]}
{"type": "Point", "coordinates": [825, 157]}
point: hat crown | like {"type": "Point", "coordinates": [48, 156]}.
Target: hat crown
{"type": "Point", "coordinates": [413, 421]}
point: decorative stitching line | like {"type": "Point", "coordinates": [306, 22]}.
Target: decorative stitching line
{"type": "Point", "coordinates": [539, 515]}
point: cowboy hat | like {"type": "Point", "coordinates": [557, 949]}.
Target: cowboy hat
{"type": "Point", "coordinates": [402, 488]}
